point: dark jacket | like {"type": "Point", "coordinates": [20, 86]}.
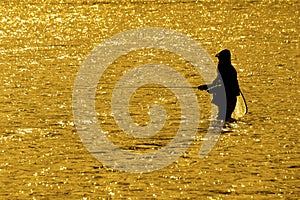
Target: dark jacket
{"type": "Point", "coordinates": [230, 81]}
{"type": "Point", "coordinates": [227, 79]}
{"type": "Point", "coordinates": [228, 75]}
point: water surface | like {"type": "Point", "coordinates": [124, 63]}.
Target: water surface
{"type": "Point", "coordinates": [43, 44]}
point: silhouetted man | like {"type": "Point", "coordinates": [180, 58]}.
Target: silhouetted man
{"type": "Point", "coordinates": [229, 76]}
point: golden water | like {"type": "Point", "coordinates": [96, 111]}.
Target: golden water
{"type": "Point", "coordinates": [42, 46]}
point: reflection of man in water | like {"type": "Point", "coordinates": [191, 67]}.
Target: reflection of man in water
{"type": "Point", "coordinates": [231, 85]}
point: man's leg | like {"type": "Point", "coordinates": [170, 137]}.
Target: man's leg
{"type": "Point", "coordinates": [231, 103]}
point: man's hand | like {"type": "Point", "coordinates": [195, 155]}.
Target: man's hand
{"type": "Point", "coordinates": [202, 87]}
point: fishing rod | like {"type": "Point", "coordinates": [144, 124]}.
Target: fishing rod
{"type": "Point", "coordinates": [195, 87]}
{"type": "Point", "coordinates": [157, 87]}
{"type": "Point", "coordinates": [208, 87]}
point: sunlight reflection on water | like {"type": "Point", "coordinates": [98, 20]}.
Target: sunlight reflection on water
{"type": "Point", "coordinates": [42, 47]}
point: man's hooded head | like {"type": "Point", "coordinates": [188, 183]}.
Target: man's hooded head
{"type": "Point", "coordinates": [224, 56]}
